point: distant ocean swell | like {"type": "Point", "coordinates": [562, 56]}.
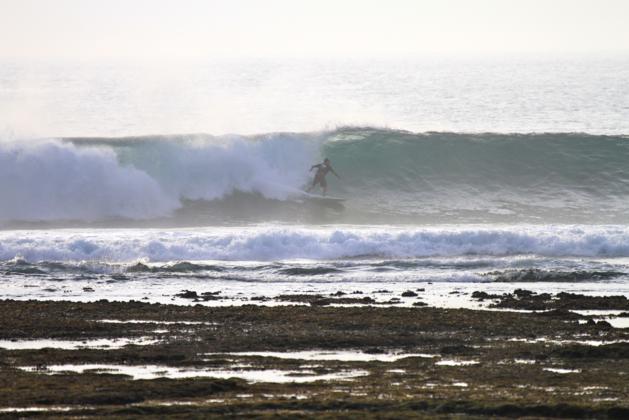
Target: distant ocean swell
{"type": "Point", "coordinates": [290, 243]}
{"type": "Point", "coordinates": [458, 177]}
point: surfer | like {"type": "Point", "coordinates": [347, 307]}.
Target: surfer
{"type": "Point", "coordinates": [322, 171]}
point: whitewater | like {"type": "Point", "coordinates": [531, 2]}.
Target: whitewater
{"type": "Point", "coordinates": [454, 172]}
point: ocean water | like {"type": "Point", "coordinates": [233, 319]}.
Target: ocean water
{"type": "Point", "coordinates": [130, 181]}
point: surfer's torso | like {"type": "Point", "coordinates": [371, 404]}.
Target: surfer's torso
{"type": "Point", "coordinates": [322, 170]}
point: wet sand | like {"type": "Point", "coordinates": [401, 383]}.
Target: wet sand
{"type": "Point", "coordinates": [139, 359]}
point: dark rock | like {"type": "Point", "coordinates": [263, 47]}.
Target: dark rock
{"type": "Point", "coordinates": [210, 296]}
{"type": "Point", "coordinates": [409, 293]}
{"type": "Point", "coordinates": [321, 302]}
{"type": "Point", "coordinates": [482, 295]}
{"type": "Point", "coordinates": [604, 325]}
{"type": "Point", "coordinates": [457, 349]}
{"type": "Point", "coordinates": [521, 293]}
{"type": "Point", "coordinates": [525, 299]}
{"type": "Point", "coordinates": [318, 300]}
{"type": "Point", "coordinates": [187, 294]}
{"type": "Point", "coordinates": [606, 351]}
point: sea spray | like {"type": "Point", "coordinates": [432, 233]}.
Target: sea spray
{"type": "Point", "coordinates": [50, 180]}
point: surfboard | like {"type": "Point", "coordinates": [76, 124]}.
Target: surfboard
{"type": "Point", "coordinates": [324, 201]}
{"type": "Point", "coordinates": [323, 198]}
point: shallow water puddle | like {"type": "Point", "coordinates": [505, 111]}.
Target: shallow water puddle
{"type": "Point", "coordinates": [517, 361]}
{"type": "Point", "coordinates": [598, 312]}
{"type": "Point", "coordinates": [458, 384]}
{"type": "Point", "coordinates": [564, 342]}
{"type": "Point", "coordinates": [618, 322]}
{"type": "Point", "coordinates": [560, 370]}
{"type": "Point", "coordinates": [157, 371]}
{"type": "Point", "coordinates": [101, 343]}
{"type": "Point", "coordinates": [168, 403]}
{"type": "Point", "coordinates": [37, 409]}
{"type": "Point", "coordinates": [337, 355]}
{"type": "Point", "coordinates": [457, 362]}
{"type": "Point", "coordinates": [287, 396]}
{"type": "Point", "coordinates": [144, 321]}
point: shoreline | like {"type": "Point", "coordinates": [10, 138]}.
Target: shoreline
{"type": "Point", "coordinates": [356, 361]}
{"type": "Point", "coordinates": [232, 292]}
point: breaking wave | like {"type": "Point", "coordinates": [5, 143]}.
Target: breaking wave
{"type": "Point", "coordinates": [387, 176]}
{"type": "Point", "coordinates": [284, 243]}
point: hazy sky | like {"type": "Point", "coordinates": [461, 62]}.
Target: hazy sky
{"type": "Point", "coordinates": [208, 28]}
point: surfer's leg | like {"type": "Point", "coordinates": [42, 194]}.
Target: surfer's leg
{"type": "Point", "coordinates": [314, 184]}
{"type": "Point", "coordinates": [315, 181]}
{"type": "Point", "coordinates": [324, 185]}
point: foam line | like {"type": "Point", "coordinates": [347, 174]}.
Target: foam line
{"type": "Point", "coordinates": [273, 243]}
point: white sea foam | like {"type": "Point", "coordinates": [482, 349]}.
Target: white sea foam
{"type": "Point", "coordinates": [285, 243]}
{"type": "Point", "coordinates": [207, 168]}
{"type": "Point", "coordinates": [157, 371]}
{"type": "Point", "coordinates": [50, 180]}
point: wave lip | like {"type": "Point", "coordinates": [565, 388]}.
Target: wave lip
{"type": "Point", "coordinates": [283, 243]}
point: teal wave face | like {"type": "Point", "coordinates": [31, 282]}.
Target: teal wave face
{"type": "Point", "coordinates": [386, 176]}
{"type": "Point", "coordinates": [503, 176]}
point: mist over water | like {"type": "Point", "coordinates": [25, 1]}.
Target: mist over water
{"type": "Point", "coordinates": [456, 94]}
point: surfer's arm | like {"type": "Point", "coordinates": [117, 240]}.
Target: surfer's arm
{"type": "Point", "coordinates": [335, 174]}
{"type": "Point", "coordinates": [314, 166]}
